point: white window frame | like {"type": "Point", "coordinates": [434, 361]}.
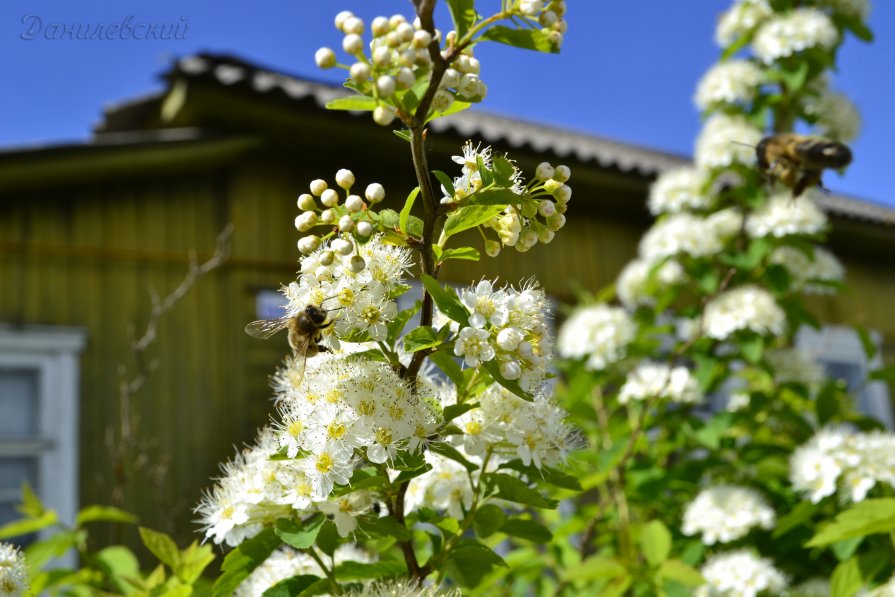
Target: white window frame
{"type": "Point", "coordinates": [842, 344]}
{"type": "Point", "coordinates": [54, 352]}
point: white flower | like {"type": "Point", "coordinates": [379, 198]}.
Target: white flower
{"type": "Point", "coordinates": [793, 32]}
{"type": "Point", "coordinates": [738, 401]}
{"type": "Point", "coordinates": [726, 140]}
{"type": "Point", "coordinates": [740, 574]}
{"type": "Point", "coordinates": [795, 365]}
{"type": "Point", "coordinates": [286, 562]}
{"type": "Point", "coordinates": [724, 513]}
{"type": "Point", "coordinates": [781, 215]}
{"type": "Point", "coordinates": [656, 379]}
{"type": "Point", "coordinates": [402, 588]}
{"type": "Point", "coordinates": [485, 305]}
{"type": "Point", "coordinates": [13, 571]}
{"type": "Point", "coordinates": [678, 190]}
{"type": "Point", "coordinates": [445, 487]}
{"type": "Point", "coordinates": [813, 587]}
{"type": "Point", "coordinates": [634, 282]}
{"type": "Point", "coordinates": [837, 116]}
{"type": "Point", "coordinates": [807, 272]}
{"type": "Point", "coordinates": [599, 333]}
{"type": "Point", "coordinates": [886, 590]}
{"type": "Point", "coordinates": [741, 19]}
{"type": "Point", "coordinates": [689, 234]}
{"type": "Point", "coordinates": [852, 8]}
{"type": "Point", "coordinates": [345, 510]}
{"type": "Point", "coordinates": [731, 82]}
{"type": "Point", "coordinates": [474, 346]}
{"type": "Point", "coordinates": [743, 308]}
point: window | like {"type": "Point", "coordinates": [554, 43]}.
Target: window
{"type": "Point", "coordinates": [39, 418]}
{"type": "Point", "coordinates": [840, 351]}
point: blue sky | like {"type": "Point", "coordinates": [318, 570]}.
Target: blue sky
{"type": "Point", "coordinates": [627, 70]}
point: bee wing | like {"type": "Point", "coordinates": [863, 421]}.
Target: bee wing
{"type": "Point", "coordinates": [265, 328]}
{"type": "Point", "coordinates": [300, 358]}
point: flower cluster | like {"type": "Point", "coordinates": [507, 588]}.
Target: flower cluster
{"type": "Point", "coordinates": [650, 380]}
{"type": "Point", "coordinates": [685, 233]}
{"type": "Point", "coordinates": [357, 283]}
{"type": "Point", "coordinates": [781, 216]}
{"type": "Point", "coordinates": [741, 20]}
{"type": "Point", "coordinates": [793, 32]}
{"type": "Point", "coordinates": [549, 14]}
{"type": "Point", "coordinates": [599, 334]}
{"type": "Point", "coordinates": [444, 488]}
{"type": "Point", "coordinates": [635, 283]}
{"type": "Point", "coordinates": [744, 308]}
{"type": "Point", "coordinates": [851, 8]}
{"type": "Point", "coordinates": [678, 190]}
{"type": "Point", "coordinates": [508, 325]}
{"type": "Point", "coordinates": [13, 571]}
{"type": "Point", "coordinates": [810, 273]}
{"type": "Point", "coordinates": [725, 513]}
{"type": "Point", "coordinates": [725, 141]}
{"type": "Point", "coordinates": [740, 573]}
{"type": "Point", "coordinates": [860, 460]}
{"type": "Point", "coordinates": [509, 427]}
{"type": "Point", "coordinates": [732, 82]}
{"type": "Point", "coordinates": [351, 218]}
{"type": "Point", "coordinates": [286, 562]}
{"type": "Point", "coordinates": [835, 115]}
{"type": "Point", "coordinates": [402, 588]}
{"type": "Point", "coordinates": [795, 365]}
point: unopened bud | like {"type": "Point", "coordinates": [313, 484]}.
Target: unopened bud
{"type": "Point", "coordinates": [492, 248]}
{"type": "Point", "coordinates": [511, 369]}
{"type": "Point", "coordinates": [382, 57]}
{"type": "Point", "coordinates": [325, 58]}
{"type": "Point", "coordinates": [323, 273]}
{"type": "Point", "coordinates": [342, 246]}
{"type": "Point", "coordinates": [356, 264]}
{"type": "Point", "coordinates": [353, 44]}
{"type": "Point", "coordinates": [318, 186]}
{"type": "Point", "coordinates": [342, 17]}
{"type": "Point", "coordinates": [329, 198]}
{"type": "Point", "coordinates": [308, 244]}
{"type": "Point", "coordinates": [546, 208]}
{"type": "Point", "coordinates": [345, 178]}
{"type": "Point", "coordinates": [353, 25]}
{"type": "Point", "coordinates": [405, 78]}
{"type": "Point", "coordinates": [359, 72]}
{"type": "Point", "coordinates": [383, 115]}
{"type": "Point", "coordinates": [422, 39]}
{"type": "Point", "coordinates": [379, 26]}
{"type": "Point", "coordinates": [327, 216]}
{"type": "Point", "coordinates": [326, 258]}
{"type": "Point", "coordinates": [544, 171]}
{"type": "Point", "coordinates": [364, 228]}
{"type": "Point", "coordinates": [385, 85]}
{"type": "Point", "coordinates": [556, 221]}
{"type": "Point", "coordinates": [346, 224]}
{"type": "Point", "coordinates": [529, 209]}
{"type": "Point", "coordinates": [354, 203]}
{"type": "Point", "coordinates": [563, 193]}
{"type": "Point", "coordinates": [451, 78]}
{"type": "Point", "coordinates": [562, 173]}
{"type": "Point", "coordinates": [545, 235]}
{"type": "Point", "coordinates": [374, 193]}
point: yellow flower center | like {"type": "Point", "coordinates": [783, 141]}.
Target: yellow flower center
{"type": "Point", "coordinates": [324, 463]}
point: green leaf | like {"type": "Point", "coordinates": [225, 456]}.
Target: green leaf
{"type": "Point", "coordinates": [866, 518]}
{"type": "Point", "coordinates": [711, 433]}
{"type": "Point", "coordinates": [446, 300]}
{"type": "Point", "coordinates": [867, 342]}
{"type": "Point", "coordinates": [501, 197]}
{"type": "Point", "coordinates": [860, 30]}
{"type": "Point", "coordinates": [802, 513]}
{"type": "Point", "coordinates": [405, 211]}
{"type": "Point", "coordinates": [119, 563]}
{"type": "Point", "coordinates": [503, 171]}
{"type": "Point", "coordinates": [886, 374]}
{"type": "Point", "coordinates": [595, 568]}
{"type": "Point", "coordinates": [470, 561]}
{"type": "Point", "coordinates": [455, 410]}
{"type": "Point", "coordinates": [488, 520]}
{"type": "Point", "coordinates": [421, 338]}
{"type": "Point", "coordinates": [240, 562]}
{"type": "Point", "coordinates": [843, 550]}
{"type": "Point", "coordinates": [546, 474]}
{"type": "Point", "coordinates": [328, 538]}
{"type": "Point", "coordinates": [161, 546]}
{"type": "Point", "coordinates": [397, 325]}
{"type": "Point", "coordinates": [103, 514]}
{"type": "Point", "coordinates": [735, 47]}
{"type": "Point", "coordinates": [456, 106]}
{"type": "Point", "coordinates": [363, 103]}
{"type": "Point", "coordinates": [193, 560]}
{"type": "Point", "coordinates": [291, 586]}
{"type": "Point", "coordinates": [24, 526]}
{"type": "Point", "coordinates": [445, 181]}
{"type": "Point", "coordinates": [528, 39]}
{"type": "Point", "coordinates": [752, 348]}
{"type": "Point", "coordinates": [468, 217]}
{"type": "Point", "coordinates": [385, 526]}
{"type": "Point", "coordinates": [655, 542]}
{"type": "Point", "coordinates": [31, 505]}
{"type": "Point", "coordinates": [515, 490]}
{"type": "Point", "coordinates": [381, 569]}
{"type": "Point", "coordinates": [402, 134]}
{"type": "Point", "coordinates": [299, 535]}
{"type": "Point", "coordinates": [494, 370]}
{"type": "Point", "coordinates": [407, 475]}
{"type": "Point", "coordinates": [827, 404]}
{"type": "Point", "coordinates": [678, 571]}
{"type": "Point", "coordinates": [448, 451]}
{"type": "Point", "coordinates": [523, 528]}
{"type": "Point", "coordinates": [464, 253]}
{"type": "Point", "coordinates": [54, 546]}
{"type": "Point", "coordinates": [463, 15]}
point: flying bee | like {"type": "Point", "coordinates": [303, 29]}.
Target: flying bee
{"type": "Point", "coordinates": [798, 161]}
{"type": "Point", "coordinates": [305, 333]}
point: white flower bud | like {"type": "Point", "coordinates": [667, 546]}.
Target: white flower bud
{"type": "Point", "coordinates": [525, 350]}
{"type": "Point", "coordinates": [385, 85]}
{"type": "Point", "coordinates": [325, 58]}
{"type": "Point", "coordinates": [562, 207]}
{"type": "Point", "coordinates": [374, 193]}
{"type": "Point", "coordinates": [306, 202]}
{"type": "Point", "coordinates": [327, 216]}
{"type": "Point", "coordinates": [342, 17]}
{"type": "Point", "coordinates": [346, 224]}
{"type": "Point", "coordinates": [318, 186]}
{"type": "Point", "coordinates": [551, 185]}
{"type": "Point", "coordinates": [354, 203]}
{"type": "Point", "coordinates": [305, 221]}
{"type": "Point", "coordinates": [382, 57]}
{"type": "Point", "coordinates": [451, 78]}
{"type": "Point", "coordinates": [308, 244]}
{"type": "Point", "coordinates": [544, 171]}
{"type": "Point", "coordinates": [469, 85]}
{"type": "Point", "coordinates": [422, 57]}
{"type": "Point", "coordinates": [511, 369]}
{"type": "Point", "coordinates": [323, 273]}
{"type": "Point", "coordinates": [562, 173]}
{"type": "Point", "coordinates": [353, 44]}
{"type": "Point", "coordinates": [383, 115]}
{"type": "Point", "coordinates": [342, 246]}
{"type": "Point", "coordinates": [379, 26]}
{"type": "Point", "coordinates": [556, 221]}
{"type": "Point", "coordinates": [462, 63]}
{"type": "Point", "coordinates": [405, 78]}
{"type": "Point", "coordinates": [563, 193]}
{"type": "Point", "coordinates": [473, 66]}
{"type": "Point", "coordinates": [359, 71]}
{"type": "Point", "coordinates": [556, 38]}
{"type": "Point", "coordinates": [345, 178]}
{"type": "Point", "coordinates": [545, 235]}
{"type": "Point", "coordinates": [421, 39]}
{"type": "Point", "coordinates": [330, 198]}
{"type": "Point", "coordinates": [482, 91]}
{"type": "Point", "coordinates": [521, 248]}
{"type": "Point", "coordinates": [548, 18]}
{"type": "Point", "coordinates": [492, 248]}
{"type": "Point", "coordinates": [546, 208]}
{"type": "Point", "coordinates": [356, 264]}
{"type": "Point", "coordinates": [405, 30]}
{"type": "Point", "coordinates": [353, 25]}
{"type": "Point", "coordinates": [559, 7]}
{"type": "Point", "coordinates": [395, 20]}
{"type": "Point", "coordinates": [529, 209]}
{"type": "Point", "coordinates": [407, 58]}
{"type": "Point", "coordinates": [326, 258]}
{"type": "Point", "coordinates": [528, 237]}
{"type": "Point", "coordinates": [509, 338]}
{"type": "Point", "coordinates": [364, 228]}
{"type": "Point", "coordinates": [442, 100]}
{"type": "Point", "coordinates": [531, 8]}
{"type": "Point", "coordinates": [393, 40]}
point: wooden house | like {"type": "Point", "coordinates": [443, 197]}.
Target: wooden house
{"type": "Point", "coordinates": [87, 229]}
